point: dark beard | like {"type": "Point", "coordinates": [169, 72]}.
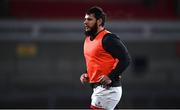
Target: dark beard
{"type": "Point", "coordinates": [92, 33]}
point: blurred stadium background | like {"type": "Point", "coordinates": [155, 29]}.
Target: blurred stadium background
{"type": "Point", "coordinates": [41, 52]}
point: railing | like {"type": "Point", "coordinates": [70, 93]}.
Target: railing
{"type": "Point", "coordinates": [72, 30]}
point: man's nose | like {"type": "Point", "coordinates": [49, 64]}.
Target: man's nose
{"type": "Point", "coordinates": [85, 21]}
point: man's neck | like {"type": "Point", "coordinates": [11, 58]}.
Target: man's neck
{"type": "Point", "coordinates": [100, 29]}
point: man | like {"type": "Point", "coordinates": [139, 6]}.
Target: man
{"type": "Point", "coordinates": [106, 58]}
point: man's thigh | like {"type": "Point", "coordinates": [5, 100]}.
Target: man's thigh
{"type": "Point", "coordinates": [106, 98]}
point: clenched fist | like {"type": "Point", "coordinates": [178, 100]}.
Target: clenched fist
{"type": "Point", "coordinates": [84, 78]}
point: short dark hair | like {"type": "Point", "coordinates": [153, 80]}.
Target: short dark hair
{"type": "Point", "coordinates": [98, 13]}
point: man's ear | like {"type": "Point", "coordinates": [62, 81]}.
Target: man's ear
{"type": "Point", "coordinates": [99, 22]}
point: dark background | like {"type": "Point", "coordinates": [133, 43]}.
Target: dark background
{"type": "Point", "coordinates": [41, 52]}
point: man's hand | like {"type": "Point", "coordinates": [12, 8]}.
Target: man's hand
{"type": "Point", "coordinates": [84, 78]}
{"type": "Point", "coordinates": [105, 80]}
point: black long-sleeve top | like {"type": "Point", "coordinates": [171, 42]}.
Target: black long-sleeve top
{"type": "Point", "coordinates": [114, 46]}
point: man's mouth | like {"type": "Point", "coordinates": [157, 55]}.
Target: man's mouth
{"type": "Point", "coordinates": [87, 28]}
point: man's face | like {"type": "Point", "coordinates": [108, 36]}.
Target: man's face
{"type": "Point", "coordinates": [90, 24]}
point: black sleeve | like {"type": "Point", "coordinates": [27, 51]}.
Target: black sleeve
{"type": "Point", "coordinates": [113, 45]}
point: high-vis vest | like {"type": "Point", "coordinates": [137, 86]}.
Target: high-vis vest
{"type": "Point", "coordinates": [98, 61]}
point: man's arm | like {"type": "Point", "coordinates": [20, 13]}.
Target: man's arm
{"type": "Point", "coordinates": [113, 45]}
